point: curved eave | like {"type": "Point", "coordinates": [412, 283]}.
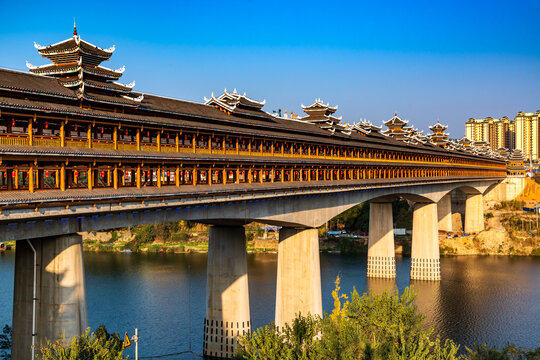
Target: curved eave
{"type": "Point", "coordinates": [110, 87]}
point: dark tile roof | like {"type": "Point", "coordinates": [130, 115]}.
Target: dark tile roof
{"type": "Point", "coordinates": [190, 115]}
{"type": "Point", "coordinates": [33, 84]}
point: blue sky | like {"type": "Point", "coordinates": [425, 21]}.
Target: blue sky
{"type": "Point", "coordinates": [424, 59]}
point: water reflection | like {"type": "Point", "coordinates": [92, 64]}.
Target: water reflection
{"type": "Point", "coordinates": [492, 299]}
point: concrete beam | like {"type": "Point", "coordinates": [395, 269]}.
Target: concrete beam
{"type": "Point", "coordinates": [227, 294]}
{"type": "Point", "coordinates": [444, 213]}
{"type": "Point", "coordinates": [60, 309]}
{"type": "Point", "coordinates": [298, 289]}
{"type": "Point", "coordinates": [474, 213]}
{"type": "Point", "coordinates": [381, 253]}
{"type": "Point", "coordinates": [425, 255]}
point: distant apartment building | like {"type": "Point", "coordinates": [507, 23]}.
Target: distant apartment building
{"type": "Point", "coordinates": [523, 132]}
{"type": "Point", "coordinates": [499, 133]}
{"type": "Point", "coordinates": [527, 127]}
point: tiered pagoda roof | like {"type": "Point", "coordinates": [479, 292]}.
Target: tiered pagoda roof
{"type": "Point", "coordinates": [76, 65]}
{"type": "Point", "coordinates": [365, 127]}
{"type": "Point", "coordinates": [322, 115]}
{"type": "Point", "coordinates": [235, 103]}
{"type": "Point", "coordinates": [515, 162]}
{"type": "Point", "coordinates": [439, 137]}
{"type": "Point", "coordinates": [396, 128]}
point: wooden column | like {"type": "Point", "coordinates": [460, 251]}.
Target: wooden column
{"type": "Point", "coordinates": [158, 176]}
{"type": "Point", "coordinates": [225, 176]}
{"type": "Point", "coordinates": [115, 177]}
{"type": "Point", "coordinates": [30, 132]}
{"type": "Point", "coordinates": [177, 143]}
{"type": "Point", "coordinates": [89, 136]}
{"type": "Point", "coordinates": [138, 139]}
{"type": "Point", "coordinates": [272, 172]}
{"type": "Point", "coordinates": [177, 174]}
{"type": "Point", "coordinates": [89, 177]}
{"type": "Point", "coordinates": [63, 133]}
{"type": "Point", "coordinates": [158, 140]}
{"type": "Point", "coordinates": [195, 176]}
{"type": "Point", "coordinates": [31, 179]}
{"type": "Point", "coordinates": [237, 180]}
{"type": "Point", "coordinates": [138, 173]}
{"type": "Point", "coordinates": [115, 138]}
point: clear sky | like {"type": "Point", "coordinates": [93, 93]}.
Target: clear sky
{"type": "Point", "coordinates": [424, 59]}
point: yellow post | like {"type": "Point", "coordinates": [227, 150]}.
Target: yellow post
{"type": "Point", "coordinates": [158, 175]}
{"type": "Point", "coordinates": [195, 176]}
{"type": "Point", "coordinates": [237, 148]}
{"type": "Point", "coordinates": [250, 172]}
{"type": "Point", "coordinates": [30, 132]}
{"type": "Point", "coordinates": [210, 143]}
{"type": "Point", "coordinates": [63, 178]}
{"type": "Point", "coordinates": [177, 142]}
{"type": "Point", "coordinates": [62, 134]}
{"type": "Point", "coordinates": [115, 177]}
{"type": "Point", "coordinates": [138, 138]}
{"type": "Point", "coordinates": [89, 135]}
{"type": "Point", "coordinates": [31, 179]}
{"type": "Point", "coordinates": [194, 143]}
{"type": "Point", "coordinates": [158, 140]}
{"type": "Point", "coordinates": [177, 173]}
{"type": "Point", "coordinates": [57, 179]}
{"type": "Point", "coordinates": [209, 174]}
{"type": "Point", "coordinates": [237, 180]}
{"type": "Point", "coordinates": [272, 173]}
{"type": "Point", "coordinates": [261, 173]}
{"type": "Point", "coordinates": [89, 177]}
{"type": "Point", "coordinates": [249, 146]}
{"type": "Point", "coordinates": [109, 178]}
{"type": "Point", "coordinates": [115, 138]}
{"type": "Point", "coordinates": [138, 176]}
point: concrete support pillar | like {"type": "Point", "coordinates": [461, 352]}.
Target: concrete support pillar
{"type": "Point", "coordinates": [227, 295]}
{"type": "Point", "coordinates": [444, 213]}
{"type": "Point", "coordinates": [298, 289]}
{"type": "Point", "coordinates": [474, 213]}
{"type": "Point", "coordinates": [60, 292]}
{"type": "Point", "coordinates": [425, 243]}
{"type": "Point", "coordinates": [381, 254]}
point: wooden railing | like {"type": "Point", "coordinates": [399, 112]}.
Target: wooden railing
{"type": "Point", "coordinates": [13, 139]}
{"type": "Point", "coordinates": [55, 141]}
{"type": "Point", "coordinates": [76, 142]}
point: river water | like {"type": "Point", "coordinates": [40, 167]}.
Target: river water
{"type": "Point", "coordinates": [479, 299]}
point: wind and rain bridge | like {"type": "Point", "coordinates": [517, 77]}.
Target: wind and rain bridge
{"type": "Point", "coordinates": [80, 151]}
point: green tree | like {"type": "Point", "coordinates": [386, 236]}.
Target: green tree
{"type": "Point", "coordinates": [5, 343]}
{"type": "Point", "coordinates": [98, 345]}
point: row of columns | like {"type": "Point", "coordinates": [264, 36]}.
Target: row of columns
{"type": "Point", "coordinates": [428, 219]}
{"type": "Point", "coordinates": [49, 296]}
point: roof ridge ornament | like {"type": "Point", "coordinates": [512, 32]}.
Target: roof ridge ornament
{"type": "Point", "coordinates": [39, 47]}
{"type": "Point", "coordinates": [74, 28]}
{"type": "Point", "coordinates": [30, 66]}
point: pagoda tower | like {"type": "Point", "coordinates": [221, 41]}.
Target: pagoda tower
{"type": "Point", "coordinates": [515, 163]}
{"type": "Point", "coordinates": [396, 128]}
{"type": "Point", "coordinates": [321, 114]}
{"type": "Point", "coordinates": [76, 65]}
{"type": "Point", "coordinates": [439, 137]}
{"type": "Point", "coordinates": [233, 102]}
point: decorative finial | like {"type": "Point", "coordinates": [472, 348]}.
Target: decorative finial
{"type": "Point", "coordinates": [74, 28]}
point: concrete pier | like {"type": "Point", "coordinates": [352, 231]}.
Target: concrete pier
{"type": "Point", "coordinates": [61, 299]}
{"type": "Point", "coordinates": [227, 294]}
{"type": "Point", "coordinates": [474, 213]}
{"type": "Point", "coordinates": [381, 254]}
{"type": "Point", "coordinates": [425, 255]}
{"type": "Point", "coordinates": [444, 213]}
{"type": "Point", "coordinates": [298, 289]}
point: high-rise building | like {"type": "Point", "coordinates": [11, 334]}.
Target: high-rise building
{"type": "Point", "coordinates": [527, 128]}
{"type": "Point", "coordinates": [497, 132]}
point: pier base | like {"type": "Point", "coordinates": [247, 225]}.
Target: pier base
{"type": "Point", "coordinates": [381, 254]}
{"type": "Point", "coordinates": [474, 213]}
{"type": "Point", "coordinates": [298, 289]}
{"type": "Point", "coordinates": [60, 310]}
{"type": "Point", "coordinates": [444, 213]}
{"type": "Point", "coordinates": [425, 264]}
{"type": "Point", "coordinates": [227, 294]}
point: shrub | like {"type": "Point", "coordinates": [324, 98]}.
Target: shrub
{"type": "Point", "coordinates": [99, 345]}
{"type": "Point", "coordinates": [5, 343]}
{"type": "Point", "coordinates": [489, 215]}
{"type": "Point", "coordinates": [536, 252]}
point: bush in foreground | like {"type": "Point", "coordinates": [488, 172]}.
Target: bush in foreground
{"type": "Point", "coordinates": [98, 345]}
{"type": "Point", "coordinates": [370, 326]}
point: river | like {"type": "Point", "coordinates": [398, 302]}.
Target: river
{"type": "Point", "coordinates": [479, 299]}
